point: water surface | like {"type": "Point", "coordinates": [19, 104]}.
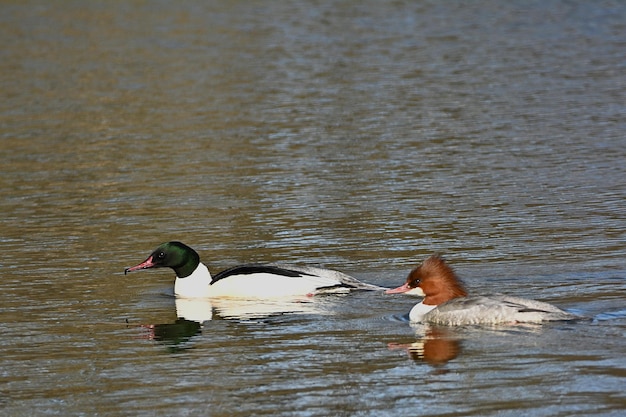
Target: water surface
{"type": "Point", "coordinates": [361, 136]}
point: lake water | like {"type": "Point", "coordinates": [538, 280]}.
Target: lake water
{"type": "Point", "coordinates": [359, 135]}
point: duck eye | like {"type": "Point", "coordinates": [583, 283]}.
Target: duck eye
{"type": "Point", "coordinates": [161, 255]}
{"type": "Point", "coordinates": [414, 283]}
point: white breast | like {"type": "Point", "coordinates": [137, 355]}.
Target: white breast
{"type": "Point", "coordinates": [418, 312]}
{"type": "Point", "coordinates": [195, 285]}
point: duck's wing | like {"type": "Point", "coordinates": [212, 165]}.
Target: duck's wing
{"type": "Point", "coordinates": [251, 269]}
{"type": "Point", "coordinates": [495, 309]}
{"type": "Point", "coordinates": [271, 280]}
{"type": "Point", "coordinates": [333, 281]}
{"type": "Point", "coordinates": [527, 307]}
{"type": "Point", "coordinates": [526, 304]}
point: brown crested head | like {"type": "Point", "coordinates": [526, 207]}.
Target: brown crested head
{"type": "Point", "coordinates": [437, 280]}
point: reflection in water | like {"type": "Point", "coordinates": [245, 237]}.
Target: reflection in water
{"type": "Point", "coordinates": [436, 347]}
{"type": "Point", "coordinates": [194, 309]}
{"type": "Point", "coordinates": [193, 312]}
{"type": "Point", "coordinates": [201, 310]}
{"type": "Point", "coordinates": [174, 334]}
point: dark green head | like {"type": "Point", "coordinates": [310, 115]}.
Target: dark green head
{"type": "Point", "coordinates": [176, 255]}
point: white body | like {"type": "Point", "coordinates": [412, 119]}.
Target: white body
{"type": "Point", "coordinates": [266, 285]}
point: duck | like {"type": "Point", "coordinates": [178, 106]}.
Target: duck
{"type": "Point", "coordinates": [446, 301]}
{"type": "Point", "coordinates": [249, 281]}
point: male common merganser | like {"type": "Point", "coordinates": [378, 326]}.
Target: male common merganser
{"type": "Point", "coordinates": [446, 302]}
{"type": "Point", "coordinates": [255, 281]}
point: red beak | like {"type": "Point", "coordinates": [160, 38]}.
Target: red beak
{"type": "Point", "coordinates": [401, 289]}
{"type": "Point", "coordinates": [144, 265]}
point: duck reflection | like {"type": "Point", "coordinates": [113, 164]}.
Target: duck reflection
{"type": "Point", "coordinates": [436, 347]}
{"type": "Point", "coordinates": [192, 314]}
{"type": "Point", "coordinates": [205, 309]}
{"type": "Point", "coordinates": [174, 333]}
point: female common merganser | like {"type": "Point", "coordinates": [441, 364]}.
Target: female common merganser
{"type": "Point", "coordinates": [246, 281]}
{"type": "Point", "coordinates": [446, 302]}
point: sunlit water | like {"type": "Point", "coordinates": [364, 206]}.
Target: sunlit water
{"type": "Point", "coordinates": [361, 136]}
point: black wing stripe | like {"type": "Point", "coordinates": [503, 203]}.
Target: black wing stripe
{"type": "Point", "coordinates": [257, 269]}
{"type": "Point", "coordinates": [335, 287]}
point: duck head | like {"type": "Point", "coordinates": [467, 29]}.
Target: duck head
{"type": "Point", "coordinates": [176, 255]}
{"type": "Point", "coordinates": [434, 280]}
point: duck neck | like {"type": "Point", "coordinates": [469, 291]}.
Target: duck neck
{"type": "Point", "coordinates": [419, 310]}
{"type": "Point", "coordinates": [188, 265]}
{"type": "Point", "coordinates": [195, 285]}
